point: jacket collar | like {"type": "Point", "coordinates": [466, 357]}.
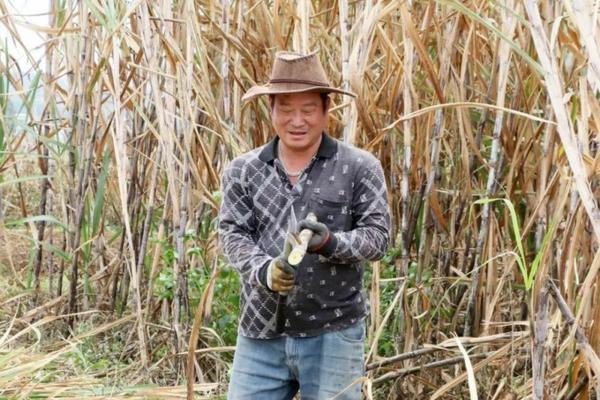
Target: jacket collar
{"type": "Point", "coordinates": [327, 148]}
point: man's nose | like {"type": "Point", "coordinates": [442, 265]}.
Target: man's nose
{"type": "Point", "coordinates": [297, 118]}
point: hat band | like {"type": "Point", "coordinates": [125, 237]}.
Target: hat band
{"type": "Point", "coordinates": [305, 82]}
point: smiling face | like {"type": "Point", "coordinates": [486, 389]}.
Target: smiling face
{"type": "Point", "coordinates": [299, 119]}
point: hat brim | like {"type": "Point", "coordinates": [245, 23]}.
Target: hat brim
{"type": "Point", "coordinates": [284, 88]}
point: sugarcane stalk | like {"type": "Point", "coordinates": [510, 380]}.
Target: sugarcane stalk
{"type": "Point", "coordinates": [299, 250]}
{"type": "Point", "coordinates": [435, 364]}
{"type": "Point", "coordinates": [564, 124]}
{"type": "Point", "coordinates": [180, 298]}
{"type": "Point", "coordinates": [584, 346]}
{"type": "Point", "coordinates": [504, 53]}
{"type": "Point", "coordinates": [294, 258]}
{"type": "Point", "coordinates": [41, 225]}
{"type": "Point", "coordinates": [411, 207]}
{"type": "Point", "coordinates": [226, 90]}
{"type": "Point", "coordinates": [303, 32]}
{"type": "Point", "coordinates": [50, 258]}
{"type": "Point", "coordinates": [119, 136]}
{"type": "Point", "coordinates": [436, 133]}
{"type": "Point", "coordinates": [345, 27]}
{"type": "Point", "coordinates": [185, 74]}
{"type": "Point", "coordinates": [539, 344]}
{"type": "Point", "coordinates": [545, 165]}
{"type": "Point", "coordinates": [585, 18]}
{"type": "Point", "coordinates": [408, 60]}
{"type": "Point", "coordinates": [133, 204]}
{"type": "Point", "coordinates": [79, 122]}
{"type": "Point", "coordinates": [237, 103]}
{"type": "Point", "coordinates": [148, 220]}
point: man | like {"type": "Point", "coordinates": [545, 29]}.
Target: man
{"type": "Point", "coordinates": [320, 351]}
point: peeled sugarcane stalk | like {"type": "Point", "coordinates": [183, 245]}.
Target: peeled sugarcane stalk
{"type": "Point", "coordinates": [299, 250]}
{"type": "Point", "coordinates": [295, 256]}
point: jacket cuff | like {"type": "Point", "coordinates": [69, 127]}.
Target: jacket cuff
{"type": "Point", "coordinates": [329, 247]}
{"type": "Point", "coordinates": [262, 275]}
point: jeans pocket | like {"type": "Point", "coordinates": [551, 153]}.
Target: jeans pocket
{"type": "Point", "coordinates": [354, 333]}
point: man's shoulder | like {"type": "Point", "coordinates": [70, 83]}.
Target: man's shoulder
{"type": "Point", "coordinates": [355, 155]}
{"type": "Point", "coordinates": [249, 156]}
{"type": "Point", "coordinates": [245, 160]}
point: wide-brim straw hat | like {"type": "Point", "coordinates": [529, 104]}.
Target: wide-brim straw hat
{"type": "Point", "coordinates": [295, 73]}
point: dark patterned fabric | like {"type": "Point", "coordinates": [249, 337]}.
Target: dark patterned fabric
{"type": "Point", "coordinates": [345, 187]}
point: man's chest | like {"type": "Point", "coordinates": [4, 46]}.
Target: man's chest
{"type": "Point", "coordinates": [326, 190]}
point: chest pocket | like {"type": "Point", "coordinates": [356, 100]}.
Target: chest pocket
{"type": "Point", "coordinates": [332, 210]}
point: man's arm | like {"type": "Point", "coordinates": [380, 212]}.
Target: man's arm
{"type": "Point", "coordinates": [236, 229]}
{"type": "Point", "coordinates": [369, 237]}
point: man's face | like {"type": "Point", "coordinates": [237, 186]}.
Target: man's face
{"type": "Point", "coordinates": [299, 119]}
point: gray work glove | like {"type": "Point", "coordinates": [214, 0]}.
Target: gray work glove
{"type": "Point", "coordinates": [280, 275]}
{"type": "Point", "coordinates": [322, 241]}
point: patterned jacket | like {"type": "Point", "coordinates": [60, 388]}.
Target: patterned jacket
{"type": "Point", "coordinates": [345, 187]}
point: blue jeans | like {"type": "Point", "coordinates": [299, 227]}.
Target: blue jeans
{"type": "Point", "coordinates": [321, 367]}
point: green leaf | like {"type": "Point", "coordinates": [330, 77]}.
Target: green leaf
{"type": "Point", "coordinates": [514, 222]}
{"type": "Point", "coordinates": [459, 6]}
{"type": "Point", "coordinates": [57, 251]}
{"type": "Point", "coordinates": [37, 218]}
{"type": "Point", "coordinates": [96, 13]}
{"type": "Point", "coordinates": [60, 12]}
{"type": "Point", "coordinates": [3, 99]}
{"type": "Point", "coordinates": [95, 77]}
{"type": "Point", "coordinates": [99, 201]}
{"type": "Point", "coordinates": [196, 251]}
{"type": "Point", "coordinates": [517, 233]}
{"type": "Point", "coordinates": [538, 257]}
{"type": "Point", "coordinates": [23, 179]}
{"type": "Point", "coordinates": [33, 89]}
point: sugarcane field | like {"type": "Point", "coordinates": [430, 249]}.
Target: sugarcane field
{"type": "Point", "coordinates": [245, 199]}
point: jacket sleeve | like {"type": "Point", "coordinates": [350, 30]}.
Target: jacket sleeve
{"type": "Point", "coordinates": [236, 228]}
{"type": "Point", "coordinates": [368, 239]}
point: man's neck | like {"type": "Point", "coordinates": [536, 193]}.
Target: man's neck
{"type": "Point", "coordinates": [294, 157]}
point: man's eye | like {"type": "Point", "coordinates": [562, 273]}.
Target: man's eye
{"type": "Point", "coordinates": [308, 111]}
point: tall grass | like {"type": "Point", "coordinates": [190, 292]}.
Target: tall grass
{"type": "Point", "coordinates": [112, 148]}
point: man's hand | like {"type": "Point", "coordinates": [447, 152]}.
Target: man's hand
{"type": "Point", "coordinates": [280, 276]}
{"type": "Point", "coordinates": [321, 235]}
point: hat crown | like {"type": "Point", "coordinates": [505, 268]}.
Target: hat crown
{"type": "Point", "coordinates": [290, 67]}
{"type": "Point", "coordinates": [295, 73]}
